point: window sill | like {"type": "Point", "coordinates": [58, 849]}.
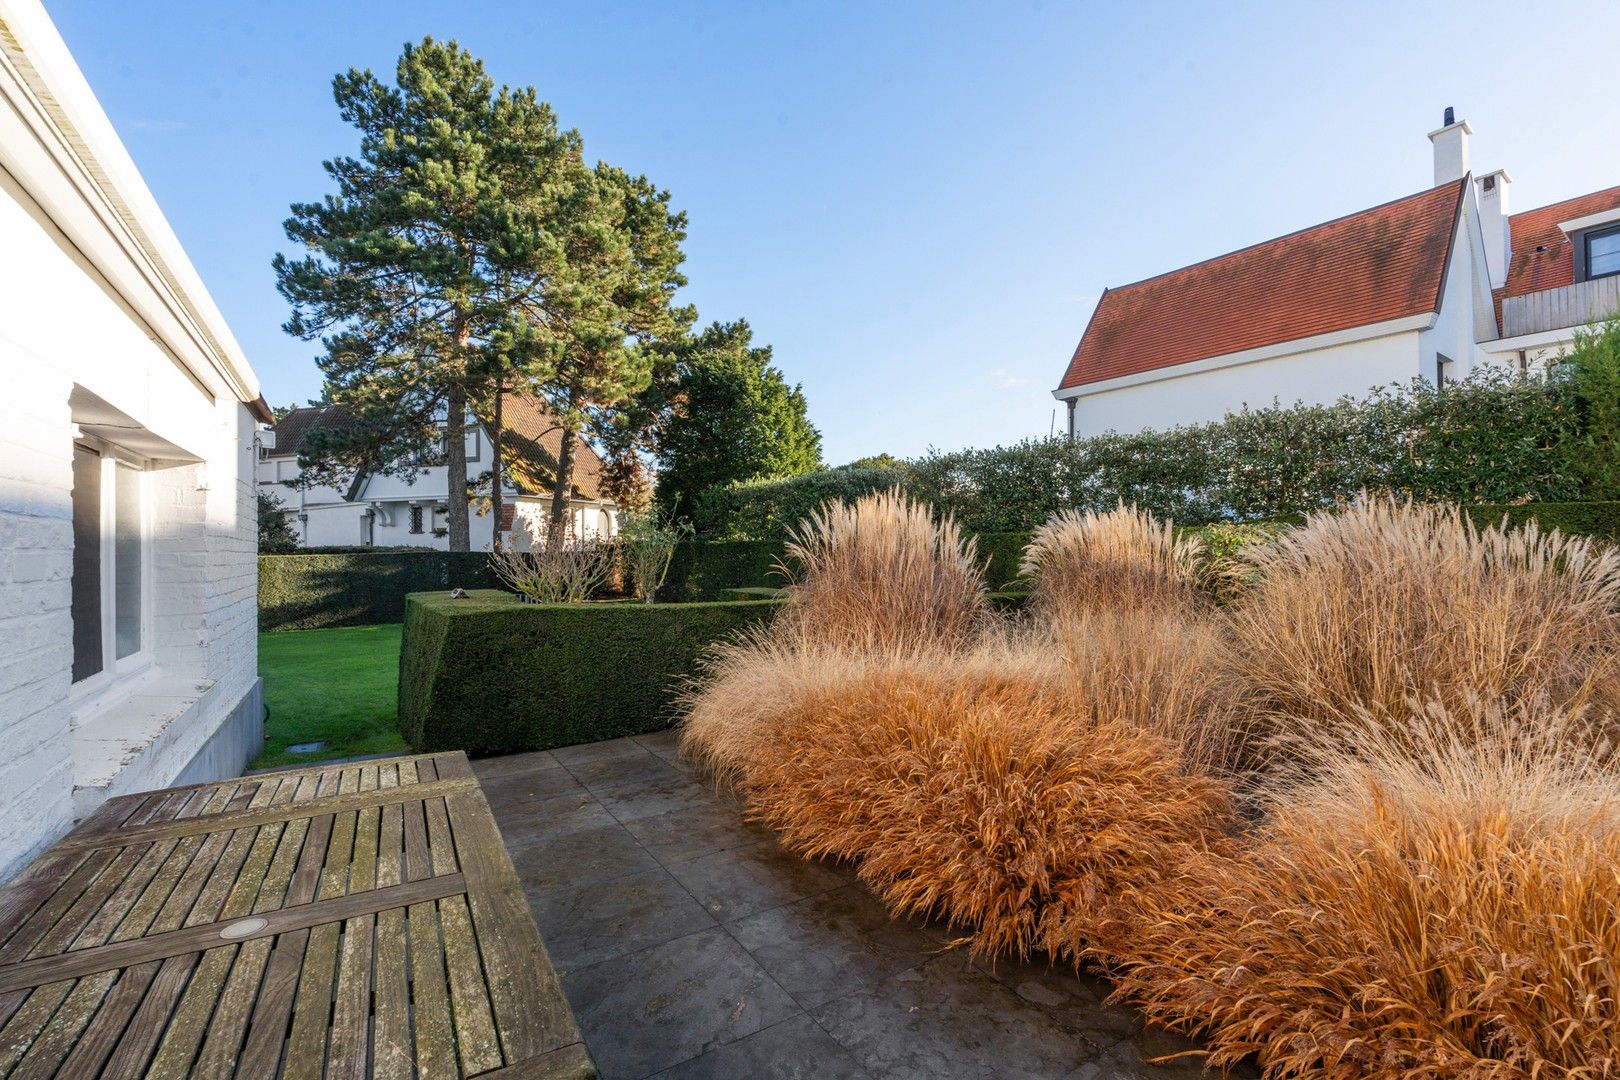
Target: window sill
{"type": "Point", "coordinates": [115, 729]}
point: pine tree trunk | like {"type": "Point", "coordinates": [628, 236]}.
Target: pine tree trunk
{"type": "Point", "coordinates": [557, 528]}
{"type": "Point", "coordinates": [495, 466]}
{"type": "Point", "coordinates": [455, 467]}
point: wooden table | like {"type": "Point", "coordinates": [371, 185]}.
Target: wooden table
{"type": "Point", "coordinates": [341, 921]}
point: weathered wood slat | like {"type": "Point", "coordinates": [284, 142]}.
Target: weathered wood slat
{"type": "Point", "coordinates": [391, 1055]}
{"type": "Point", "coordinates": [99, 1039]}
{"type": "Point", "coordinates": [435, 1041]}
{"type": "Point", "coordinates": [132, 1050]}
{"type": "Point", "coordinates": [349, 1046]}
{"type": "Point", "coordinates": [70, 1019]}
{"type": "Point", "coordinates": [47, 913]}
{"type": "Point", "coordinates": [27, 1022]}
{"type": "Point", "coordinates": [194, 938]}
{"type": "Point", "coordinates": [252, 818]}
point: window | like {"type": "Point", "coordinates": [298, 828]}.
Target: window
{"type": "Point", "coordinates": [1442, 371]}
{"type": "Point", "coordinates": [109, 596]}
{"type": "Point", "coordinates": [1603, 252]}
{"type": "Point", "coordinates": [416, 519]}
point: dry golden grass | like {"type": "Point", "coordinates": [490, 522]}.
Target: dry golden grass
{"type": "Point", "coordinates": [1365, 608]}
{"type": "Point", "coordinates": [1444, 904]}
{"type": "Point", "coordinates": [1125, 557]}
{"type": "Point", "coordinates": [974, 787]}
{"type": "Point", "coordinates": [882, 573]}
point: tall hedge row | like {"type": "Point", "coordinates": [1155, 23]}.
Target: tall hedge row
{"type": "Point", "coordinates": [309, 592]}
{"type": "Point", "coordinates": [491, 675]}
{"type": "Point", "coordinates": [1493, 438]}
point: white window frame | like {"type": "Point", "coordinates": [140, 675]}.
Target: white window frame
{"type": "Point", "coordinates": [114, 671]}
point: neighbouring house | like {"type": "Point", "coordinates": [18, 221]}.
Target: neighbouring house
{"type": "Point", "coordinates": [127, 428]}
{"type": "Point", "coordinates": [385, 510]}
{"type": "Point", "coordinates": [1430, 285]}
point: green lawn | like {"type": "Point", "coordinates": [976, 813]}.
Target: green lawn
{"type": "Point", "coordinates": [333, 686]}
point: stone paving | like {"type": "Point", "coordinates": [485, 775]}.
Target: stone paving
{"type": "Point", "coordinates": [690, 945]}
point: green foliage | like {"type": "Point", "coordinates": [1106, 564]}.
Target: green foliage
{"type": "Point", "coordinates": [705, 569]}
{"type": "Point", "coordinates": [1599, 520]}
{"type": "Point", "coordinates": [766, 509]}
{"type": "Point", "coordinates": [276, 537]}
{"type": "Point", "coordinates": [733, 417]}
{"type": "Point", "coordinates": [1592, 369]}
{"type": "Point", "coordinates": [306, 592]}
{"type": "Point", "coordinates": [877, 461]}
{"type": "Point", "coordinates": [490, 675]}
{"type": "Point", "coordinates": [999, 554]}
{"type": "Point", "coordinates": [339, 687]}
{"type": "Point", "coordinates": [1491, 438]}
{"type": "Point", "coordinates": [647, 542]}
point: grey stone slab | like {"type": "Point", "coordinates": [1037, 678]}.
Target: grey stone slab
{"type": "Point", "coordinates": [587, 924]}
{"type": "Point", "coordinates": [524, 823]}
{"type": "Point", "coordinates": [835, 943]}
{"type": "Point", "coordinates": [639, 769]}
{"type": "Point", "coordinates": [514, 764]}
{"type": "Point", "coordinates": [695, 830]}
{"type": "Point", "coordinates": [666, 744]}
{"type": "Point", "coordinates": [583, 753]}
{"type": "Point", "coordinates": [652, 1009]}
{"type": "Point", "coordinates": [661, 790]}
{"type": "Point", "coordinates": [1073, 998]}
{"type": "Point", "coordinates": [738, 882]}
{"type": "Point", "coordinates": [949, 1019]}
{"type": "Point", "coordinates": [513, 789]}
{"type": "Point", "coordinates": [578, 858]}
{"type": "Point", "coordinates": [795, 1049]}
{"type": "Point", "coordinates": [1178, 1058]}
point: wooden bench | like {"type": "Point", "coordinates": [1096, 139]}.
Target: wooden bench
{"type": "Point", "coordinates": [338, 921]}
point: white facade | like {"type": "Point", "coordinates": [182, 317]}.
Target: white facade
{"type": "Point", "coordinates": [127, 528]}
{"type": "Point", "coordinates": [390, 511]}
{"type": "Point", "coordinates": [1441, 345]}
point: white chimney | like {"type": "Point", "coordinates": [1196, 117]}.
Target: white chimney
{"type": "Point", "coordinates": [1450, 149]}
{"type": "Point", "coordinates": [1493, 222]}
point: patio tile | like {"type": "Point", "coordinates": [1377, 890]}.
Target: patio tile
{"type": "Point", "coordinates": [642, 767]}
{"type": "Point", "coordinates": [795, 1049]}
{"type": "Point", "coordinates": [587, 924]}
{"type": "Point", "coordinates": [1073, 999]}
{"type": "Point", "coordinates": [660, 790]}
{"type": "Point", "coordinates": [946, 1019]}
{"type": "Point", "coordinates": [662, 1006]}
{"type": "Point", "coordinates": [524, 823]}
{"type": "Point", "coordinates": [738, 882]}
{"type": "Point", "coordinates": [666, 744]}
{"type": "Point", "coordinates": [511, 789]}
{"type": "Point", "coordinates": [1130, 1058]}
{"type": "Point", "coordinates": [578, 858]}
{"type": "Point", "coordinates": [696, 830]}
{"type": "Point", "coordinates": [584, 753]}
{"type": "Point", "coordinates": [832, 944]}
{"type": "Point", "coordinates": [511, 764]}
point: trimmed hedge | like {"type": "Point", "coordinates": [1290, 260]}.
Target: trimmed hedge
{"type": "Point", "coordinates": [492, 675]}
{"type": "Point", "coordinates": [1599, 520]}
{"type": "Point", "coordinates": [311, 592]}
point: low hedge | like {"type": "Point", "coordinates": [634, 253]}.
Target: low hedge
{"type": "Point", "coordinates": [1599, 520]}
{"type": "Point", "coordinates": [492, 675]}
{"type": "Point", "coordinates": [311, 592]}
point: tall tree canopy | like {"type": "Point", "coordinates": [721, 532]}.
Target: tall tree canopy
{"type": "Point", "coordinates": [732, 416]}
{"type": "Point", "coordinates": [429, 268]}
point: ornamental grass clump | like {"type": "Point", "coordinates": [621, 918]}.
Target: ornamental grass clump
{"type": "Point", "coordinates": [1383, 601]}
{"type": "Point", "coordinates": [974, 786]}
{"type": "Point", "coordinates": [883, 572]}
{"type": "Point", "coordinates": [1444, 902]}
{"type": "Point", "coordinates": [1125, 557]}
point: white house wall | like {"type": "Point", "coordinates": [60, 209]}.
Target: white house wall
{"type": "Point", "coordinates": [1465, 313]}
{"type": "Point", "coordinates": [1321, 375]}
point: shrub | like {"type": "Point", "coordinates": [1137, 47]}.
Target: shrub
{"type": "Point", "coordinates": [1598, 520]}
{"type": "Point", "coordinates": [491, 675]}
{"type": "Point", "coordinates": [704, 569]}
{"type": "Point", "coordinates": [309, 592]}
{"type": "Point", "coordinates": [648, 545]}
{"type": "Point", "coordinates": [567, 572]}
{"type": "Point", "coordinates": [1124, 557]}
{"type": "Point", "coordinates": [883, 573]}
{"type": "Point", "coordinates": [767, 509]}
{"type": "Point", "coordinates": [1384, 601]}
{"type": "Point", "coordinates": [1593, 450]}
{"type": "Point", "coordinates": [1439, 904]}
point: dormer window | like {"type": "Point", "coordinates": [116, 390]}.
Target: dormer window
{"type": "Point", "coordinates": [1603, 252]}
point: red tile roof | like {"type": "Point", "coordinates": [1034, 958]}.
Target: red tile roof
{"type": "Point", "coordinates": [1541, 254]}
{"type": "Point", "coordinates": [1380, 264]}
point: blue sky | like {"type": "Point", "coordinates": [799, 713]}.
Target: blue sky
{"type": "Point", "coordinates": [915, 204]}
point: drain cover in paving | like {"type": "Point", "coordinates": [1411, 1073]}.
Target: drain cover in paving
{"type": "Point", "coordinates": [305, 747]}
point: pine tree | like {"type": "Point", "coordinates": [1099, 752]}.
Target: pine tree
{"type": "Point", "coordinates": [429, 266]}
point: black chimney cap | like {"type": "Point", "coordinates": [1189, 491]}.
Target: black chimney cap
{"type": "Point", "coordinates": [1451, 116]}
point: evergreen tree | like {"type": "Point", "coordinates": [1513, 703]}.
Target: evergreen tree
{"type": "Point", "coordinates": [732, 417]}
{"type": "Point", "coordinates": [429, 268]}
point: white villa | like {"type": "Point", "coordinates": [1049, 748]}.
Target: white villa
{"type": "Point", "coordinates": [380, 510]}
{"type": "Point", "coordinates": [1430, 285]}
{"type": "Point", "coordinates": [127, 430]}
